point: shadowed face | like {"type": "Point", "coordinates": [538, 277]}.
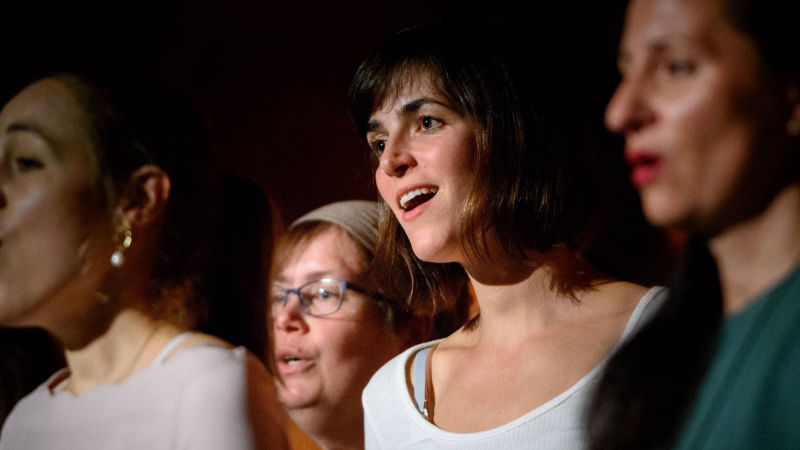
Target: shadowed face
{"type": "Point", "coordinates": [704, 122]}
{"type": "Point", "coordinates": [326, 361]}
{"type": "Point", "coordinates": [54, 232]}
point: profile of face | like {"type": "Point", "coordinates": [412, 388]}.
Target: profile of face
{"type": "Point", "coordinates": [704, 124]}
{"type": "Point", "coordinates": [425, 148]}
{"type": "Point", "coordinates": [51, 214]}
{"type": "Point", "coordinates": [326, 361]}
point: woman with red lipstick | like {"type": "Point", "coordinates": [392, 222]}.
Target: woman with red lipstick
{"type": "Point", "coordinates": [709, 105]}
{"type": "Point", "coordinates": [483, 181]}
{"type": "Point", "coordinates": [107, 229]}
{"type": "Point", "coordinates": [335, 325]}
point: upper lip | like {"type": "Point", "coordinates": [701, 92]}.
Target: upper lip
{"type": "Point", "coordinates": [283, 353]}
{"type": "Point", "coordinates": [639, 156]}
{"type": "Point", "coordinates": [409, 189]}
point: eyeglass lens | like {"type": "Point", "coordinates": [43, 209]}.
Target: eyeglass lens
{"type": "Point", "coordinates": [318, 297]}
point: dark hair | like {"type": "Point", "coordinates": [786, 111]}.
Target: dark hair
{"type": "Point", "coordinates": [650, 382]}
{"type": "Point", "coordinates": [134, 122]}
{"type": "Point", "coordinates": [534, 181]}
{"type": "Point", "coordinates": [241, 245]}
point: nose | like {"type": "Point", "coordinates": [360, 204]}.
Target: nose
{"type": "Point", "coordinates": [396, 158]}
{"type": "Point", "coordinates": [290, 318]}
{"type": "Point", "coordinates": [628, 110]}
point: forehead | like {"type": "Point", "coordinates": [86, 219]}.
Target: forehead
{"type": "Point", "coordinates": [652, 20]}
{"type": "Point", "coordinates": [52, 110]}
{"type": "Point", "coordinates": [408, 85]}
{"type": "Point", "coordinates": [331, 253]}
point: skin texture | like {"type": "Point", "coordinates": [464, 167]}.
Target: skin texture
{"type": "Point", "coordinates": [424, 142]}
{"type": "Point", "coordinates": [339, 352]}
{"type": "Point", "coordinates": [693, 94]}
{"type": "Point", "coordinates": [54, 232]}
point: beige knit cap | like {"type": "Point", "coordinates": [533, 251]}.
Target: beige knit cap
{"type": "Point", "coordinates": [357, 217]}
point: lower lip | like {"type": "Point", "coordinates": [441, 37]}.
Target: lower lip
{"type": "Point", "coordinates": [414, 213]}
{"type": "Point", "coordinates": [644, 174]}
{"type": "Point", "coordinates": [290, 369]}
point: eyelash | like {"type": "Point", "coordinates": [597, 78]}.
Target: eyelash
{"type": "Point", "coordinates": [25, 164]}
{"type": "Point", "coordinates": [434, 123]}
{"type": "Point", "coordinates": [378, 146]}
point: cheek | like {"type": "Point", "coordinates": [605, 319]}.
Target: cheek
{"type": "Point", "coordinates": [382, 183]}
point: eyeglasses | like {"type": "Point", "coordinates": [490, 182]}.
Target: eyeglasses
{"type": "Point", "coordinates": [317, 298]}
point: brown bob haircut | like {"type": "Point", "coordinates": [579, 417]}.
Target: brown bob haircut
{"type": "Point", "coordinates": [534, 181]}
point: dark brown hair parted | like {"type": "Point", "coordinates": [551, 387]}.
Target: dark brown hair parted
{"type": "Point", "coordinates": [533, 183]}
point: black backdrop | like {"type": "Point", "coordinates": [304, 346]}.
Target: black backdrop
{"type": "Point", "coordinates": [271, 77]}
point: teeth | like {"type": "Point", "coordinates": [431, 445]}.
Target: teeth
{"type": "Point", "coordinates": [408, 196]}
{"type": "Point", "coordinates": [291, 360]}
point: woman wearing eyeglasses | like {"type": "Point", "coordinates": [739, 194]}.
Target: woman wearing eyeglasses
{"type": "Point", "coordinates": [334, 325]}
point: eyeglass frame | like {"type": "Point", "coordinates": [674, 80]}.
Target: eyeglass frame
{"type": "Point", "coordinates": [344, 285]}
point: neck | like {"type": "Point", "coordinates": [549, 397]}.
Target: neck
{"type": "Point", "coordinates": [756, 253]}
{"type": "Point", "coordinates": [524, 297]}
{"type": "Point", "coordinates": [131, 343]}
{"type": "Point", "coordinates": [339, 431]}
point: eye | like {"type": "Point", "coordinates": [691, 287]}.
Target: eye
{"type": "Point", "coordinates": [378, 145]}
{"type": "Point", "coordinates": [429, 123]}
{"type": "Point", "coordinates": [24, 164]}
{"type": "Point", "coordinates": [678, 67]}
{"type": "Point", "coordinates": [324, 294]}
{"type": "Point", "coordinates": [277, 295]}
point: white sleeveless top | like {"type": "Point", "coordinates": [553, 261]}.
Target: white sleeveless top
{"type": "Point", "coordinates": [392, 420]}
{"type": "Point", "coordinates": [205, 397]}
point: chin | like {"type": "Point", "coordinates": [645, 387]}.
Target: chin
{"type": "Point", "coordinates": [430, 252]}
{"type": "Point", "coordinates": [665, 214]}
{"type": "Point", "coordinates": [295, 398]}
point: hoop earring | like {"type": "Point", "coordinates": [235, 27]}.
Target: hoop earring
{"type": "Point", "coordinates": [124, 239]}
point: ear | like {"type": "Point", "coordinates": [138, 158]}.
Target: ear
{"type": "Point", "coordinates": [145, 197]}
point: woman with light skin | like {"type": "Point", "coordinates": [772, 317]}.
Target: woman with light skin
{"type": "Point", "coordinates": [102, 242]}
{"type": "Point", "coordinates": [481, 182]}
{"type": "Point", "coordinates": [335, 325]}
{"type": "Point", "coordinates": [709, 105]}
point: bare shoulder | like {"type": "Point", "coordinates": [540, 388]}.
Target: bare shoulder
{"type": "Point", "coordinates": [618, 296]}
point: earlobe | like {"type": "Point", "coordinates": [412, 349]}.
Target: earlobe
{"type": "Point", "coordinates": [145, 198]}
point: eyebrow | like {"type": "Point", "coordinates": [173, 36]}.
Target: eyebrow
{"type": "Point", "coordinates": [309, 277]}
{"type": "Point", "coordinates": [407, 108]}
{"type": "Point", "coordinates": [23, 127]}
{"type": "Point", "coordinates": [17, 127]}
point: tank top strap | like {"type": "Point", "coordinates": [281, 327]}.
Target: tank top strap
{"type": "Point", "coordinates": [171, 345]}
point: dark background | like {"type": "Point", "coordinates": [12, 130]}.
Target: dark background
{"type": "Point", "coordinates": [271, 77]}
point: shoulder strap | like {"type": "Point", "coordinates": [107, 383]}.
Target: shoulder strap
{"type": "Point", "coordinates": [429, 397]}
{"type": "Point", "coordinates": [419, 379]}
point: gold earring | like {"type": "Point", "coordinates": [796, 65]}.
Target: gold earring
{"type": "Point", "coordinates": [124, 238]}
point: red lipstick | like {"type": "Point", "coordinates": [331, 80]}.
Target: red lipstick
{"type": "Point", "coordinates": [645, 167]}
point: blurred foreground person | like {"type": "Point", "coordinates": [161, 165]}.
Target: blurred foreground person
{"type": "Point", "coordinates": [105, 243]}
{"type": "Point", "coordinates": [709, 105]}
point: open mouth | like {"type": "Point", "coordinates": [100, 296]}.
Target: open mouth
{"type": "Point", "coordinates": [645, 167]}
{"type": "Point", "coordinates": [291, 360]}
{"type": "Point", "coordinates": [416, 197]}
